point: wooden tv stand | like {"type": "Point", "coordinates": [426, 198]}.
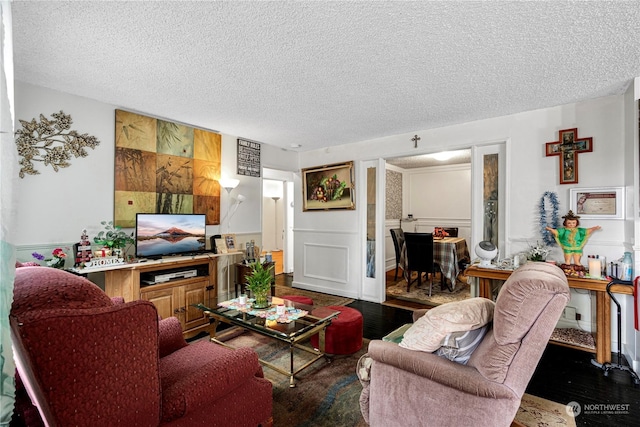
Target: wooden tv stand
{"type": "Point", "coordinates": [174, 297]}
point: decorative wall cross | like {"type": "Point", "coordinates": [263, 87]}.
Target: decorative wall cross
{"type": "Point", "coordinates": [415, 140]}
{"type": "Point", "coordinates": [567, 148]}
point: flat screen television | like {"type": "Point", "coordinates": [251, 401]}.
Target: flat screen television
{"type": "Point", "coordinates": [159, 235]}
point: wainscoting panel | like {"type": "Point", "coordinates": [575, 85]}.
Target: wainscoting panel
{"type": "Point", "coordinates": [335, 272]}
{"type": "Point", "coordinates": [389, 250]}
{"type": "Point", "coordinates": [331, 262]}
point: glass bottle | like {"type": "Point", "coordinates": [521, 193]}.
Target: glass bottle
{"type": "Point", "coordinates": [627, 267]}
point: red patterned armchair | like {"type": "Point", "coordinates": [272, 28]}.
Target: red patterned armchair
{"type": "Point", "coordinates": [88, 360]}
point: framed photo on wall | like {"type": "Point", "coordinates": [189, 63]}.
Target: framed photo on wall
{"type": "Point", "coordinates": [598, 203]}
{"type": "Point", "coordinates": [328, 187]}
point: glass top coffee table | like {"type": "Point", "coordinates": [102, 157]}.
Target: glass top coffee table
{"type": "Point", "coordinates": [286, 321]}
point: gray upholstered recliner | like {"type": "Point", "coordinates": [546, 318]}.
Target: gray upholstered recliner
{"type": "Point", "coordinates": [415, 388]}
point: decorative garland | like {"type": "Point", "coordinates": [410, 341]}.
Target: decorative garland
{"type": "Point", "coordinates": [547, 237]}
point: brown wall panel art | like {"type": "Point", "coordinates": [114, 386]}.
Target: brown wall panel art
{"type": "Point", "coordinates": [165, 167]}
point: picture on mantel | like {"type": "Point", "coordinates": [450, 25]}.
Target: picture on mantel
{"type": "Point", "coordinates": [164, 167]}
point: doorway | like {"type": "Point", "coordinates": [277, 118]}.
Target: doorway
{"type": "Point", "coordinates": [277, 218]}
{"type": "Point", "coordinates": [448, 189]}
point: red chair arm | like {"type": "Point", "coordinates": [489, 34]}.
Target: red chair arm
{"type": "Point", "coordinates": [171, 338]}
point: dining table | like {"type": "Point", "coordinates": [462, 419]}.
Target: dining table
{"type": "Point", "coordinates": [448, 253]}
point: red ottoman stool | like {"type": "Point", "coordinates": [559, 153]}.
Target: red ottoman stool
{"type": "Point", "coordinates": [344, 335]}
{"type": "Point", "coordinates": [298, 298]}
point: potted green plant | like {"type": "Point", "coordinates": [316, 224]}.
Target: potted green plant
{"type": "Point", "coordinates": [113, 238]}
{"type": "Point", "coordinates": [259, 283]}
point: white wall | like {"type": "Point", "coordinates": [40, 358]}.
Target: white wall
{"type": "Point", "coordinates": [54, 207]}
{"type": "Point", "coordinates": [529, 174]}
{"type": "Point", "coordinates": [441, 192]}
{"type": "Point", "coordinates": [438, 196]}
{"type": "Point", "coordinates": [273, 214]}
{"type": "Point", "coordinates": [631, 337]}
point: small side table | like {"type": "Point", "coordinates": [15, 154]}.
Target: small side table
{"type": "Point", "coordinates": [243, 270]}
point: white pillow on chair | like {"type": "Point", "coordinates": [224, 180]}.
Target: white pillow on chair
{"type": "Point", "coordinates": [429, 332]}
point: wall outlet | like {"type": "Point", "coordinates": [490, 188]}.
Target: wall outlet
{"type": "Point", "coordinates": [569, 313]}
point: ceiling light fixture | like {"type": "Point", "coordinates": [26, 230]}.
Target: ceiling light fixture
{"type": "Point", "coordinates": [445, 155]}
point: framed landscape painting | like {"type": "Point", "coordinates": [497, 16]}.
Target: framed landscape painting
{"type": "Point", "coordinates": [328, 187]}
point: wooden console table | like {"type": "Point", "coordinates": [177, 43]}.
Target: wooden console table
{"type": "Point", "coordinates": [603, 305]}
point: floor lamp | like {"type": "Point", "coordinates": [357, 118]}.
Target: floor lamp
{"type": "Point", "coordinates": [275, 216]}
{"type": "Point", "coordinates": [229, 184]}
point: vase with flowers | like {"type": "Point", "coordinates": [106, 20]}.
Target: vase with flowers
{"type": "Point", "coordinates": [57, 260]}
{"type": "Point", "coordinates": [538, 252]}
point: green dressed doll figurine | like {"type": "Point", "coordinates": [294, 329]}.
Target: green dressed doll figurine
{"type": "Point", "coordinates": [572, 238]}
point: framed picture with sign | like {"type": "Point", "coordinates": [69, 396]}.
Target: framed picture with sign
{"type": "Point", "coordinates": [328, 187]}
{"type": "Point", "coordinates": [248, 158]}
{"type": "Point", "coordinates": [598, 203]}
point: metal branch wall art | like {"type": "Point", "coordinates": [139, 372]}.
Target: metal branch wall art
{"type": "Point", "coordinates": [50, 141]}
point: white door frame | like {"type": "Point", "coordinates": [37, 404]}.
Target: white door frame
{"type": "Point", "coordinates": [477, 190]}
{"type": "Point", "coordinates": [287, 178]}
{"type": "Point", "coordinates": [372, 288]}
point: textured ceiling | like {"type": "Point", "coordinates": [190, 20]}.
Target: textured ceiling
{"type": "Point", "coordinates": [438, 159]}
{"type": "Point", "coordinates": [327, 73]}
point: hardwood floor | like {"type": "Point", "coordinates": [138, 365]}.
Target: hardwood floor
{"type": "Point", "coordinates": [566, 375]}
{"type": "Point", "coordinates": [563, 375]}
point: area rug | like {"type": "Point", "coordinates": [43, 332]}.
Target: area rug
{"type": "Point", "coordinates": [420, 294]}
{"type": "Point", "coordinates": [574, 337]}
{"type": "Point", "coordinates": [327, 394]}
{"type": "Point", "coordinates": [319, 299]}
{"type": "Point", "coordinates": [538, 412]}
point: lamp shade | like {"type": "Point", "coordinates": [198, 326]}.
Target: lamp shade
{"type": "Point", "coordinates": [229, 183]}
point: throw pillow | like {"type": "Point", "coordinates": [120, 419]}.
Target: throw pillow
{"type": "Point", "coordinates": [429, 331]}
{"type": "Point", "coordinates": [458, 346]}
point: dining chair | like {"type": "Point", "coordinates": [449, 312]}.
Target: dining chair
{"type": "Point", "coordinates": [398, 241]}
{"type": "Point", "coordinates": [419, 258]}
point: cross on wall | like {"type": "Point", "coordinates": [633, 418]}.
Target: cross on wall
{"type": "Point", "coordinates": [567, 149]}
{"type": "Point", "coordinates": [415, 140]}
